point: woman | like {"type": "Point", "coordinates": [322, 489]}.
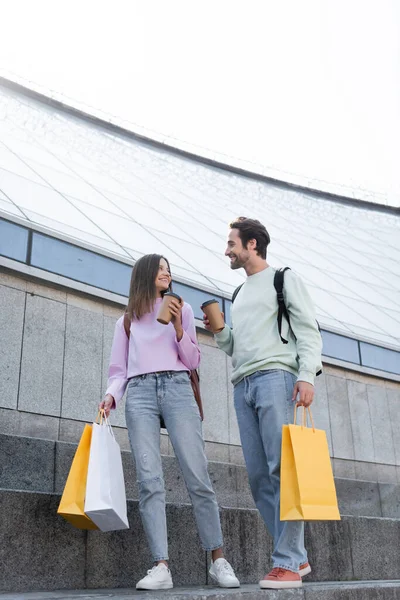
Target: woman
{"type": "Point", "coordinates": [154, 363]}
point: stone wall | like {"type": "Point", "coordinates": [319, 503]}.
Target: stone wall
{"type": "Point", "coordinates": [54, 352]}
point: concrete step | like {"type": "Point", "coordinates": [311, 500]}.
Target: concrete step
{"type": "Point", "coordinates": [360, 590]}
{"type": "Point", "coordinates": [34, 464]}
{"type": "Point", "coordinates": [41, 551]}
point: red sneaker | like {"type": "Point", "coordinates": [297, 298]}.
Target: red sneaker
{"type": "Point", "coordinates": [281, 579]}
{"type": "Point", "coordinates": [304, 569]}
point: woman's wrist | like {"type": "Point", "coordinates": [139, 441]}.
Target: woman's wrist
{"type": "Point", "coordinates": [110, 398]}
{"type": "Point", "coordinates": [179, 333]}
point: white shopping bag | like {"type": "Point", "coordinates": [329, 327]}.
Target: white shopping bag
{"type": "Point", "coordinates": [105, 501]}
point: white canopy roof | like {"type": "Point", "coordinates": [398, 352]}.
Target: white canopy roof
{"type": "Point", "coordinates": [127, 197]}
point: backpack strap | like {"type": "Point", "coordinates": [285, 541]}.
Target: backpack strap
{"type": "Point", "coordinates": [195, 383]}
{"type": "Point", "coordinates": [127, 325]}
{"type": "Point", "coordinates": [282, 310]}
{"type": "Point", "coordinates": [235, 293]}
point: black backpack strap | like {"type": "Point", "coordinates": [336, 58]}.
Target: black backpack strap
{"type": "Point", "coordinates": [235, 293]}
{"type": "Point", "coordinates": [127, 325]}
{"type": "Point", "coordinates": [282, 310]}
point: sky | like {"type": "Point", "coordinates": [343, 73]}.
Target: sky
{"type": "Point", "coordinates": [303, 90]}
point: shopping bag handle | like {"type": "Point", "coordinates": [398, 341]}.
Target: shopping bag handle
{"type": "Point", "coordinates": [101, 415]}
{"type": "Point", "coordinates": [304, 417]}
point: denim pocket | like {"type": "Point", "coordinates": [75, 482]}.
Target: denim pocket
{"type": "Point", "coordinates": [134, 382]}
{"type": "Point", "coordinates": [181, 377]}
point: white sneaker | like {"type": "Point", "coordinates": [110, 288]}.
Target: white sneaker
{"type": "Point", "coordinates": [223, 574]}
{"type": "Point", "coordinates": [157, 578]}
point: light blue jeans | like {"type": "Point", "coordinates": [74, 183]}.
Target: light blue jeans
{"type": "Point", "coordinates": [263, 403]}
{"type": "Point", "coordinates": [169, 395]}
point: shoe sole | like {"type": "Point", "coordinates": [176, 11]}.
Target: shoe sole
{"type": "Point", "coordinates": [221, 585]}
{"type": "Point", "coordinates": [164, 586]}
{"type": "Point", "coordinates": [305, 571]}
{"type": "Point", "coordinates": [280, 585]}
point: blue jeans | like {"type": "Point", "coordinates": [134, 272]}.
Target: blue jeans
{"type": "Point", "coordinates": [263, 403]}
{"type": "Point", "coordinates": [169, 395]}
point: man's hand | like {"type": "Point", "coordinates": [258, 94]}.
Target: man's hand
{"type": "Point", "coordinates": [304, 393]}
{"type": "Point", "coordinates": [107, 404]}
{"type": "Point", "coordinates": [206, 322]}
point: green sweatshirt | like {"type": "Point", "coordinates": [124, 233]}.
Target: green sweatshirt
{"type": "Point", "coordinates": [254, 342]}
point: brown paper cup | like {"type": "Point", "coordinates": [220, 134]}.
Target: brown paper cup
{"type": "Point", "coordinates": [164, 316]}
{"type": "Point", "coordinates": [212, 311]}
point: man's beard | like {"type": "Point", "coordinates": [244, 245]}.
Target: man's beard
{"type": "Point", "coordinates": [236, 264]}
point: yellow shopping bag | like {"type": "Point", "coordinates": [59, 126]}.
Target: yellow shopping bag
{"type": "Point", "coordinates": [307, 486]}
{"type": "Point", "coordinates": [73, 498]}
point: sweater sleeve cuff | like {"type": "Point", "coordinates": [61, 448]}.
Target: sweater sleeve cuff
{"type": "Point", "coordinates": [223, 336]}
{"type": "Point", "coordinates": [185, 342]}
{"type": "Point", "coordinates": [307, 376]}
{"type": "Point", "coordinates": [188, 351]}
{"type": "Point", "coordinates": [116, 389]}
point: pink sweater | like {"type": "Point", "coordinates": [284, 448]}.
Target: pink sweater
{"type": "Point", "coordinates": [152, 347]}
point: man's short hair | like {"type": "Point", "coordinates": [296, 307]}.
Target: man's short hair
{"type": "Point", "coordinates": [251, 229]}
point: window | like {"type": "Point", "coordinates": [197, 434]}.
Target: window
{"type": "Point", "coordinates": [194, 297]}
{"type": "Point", "coordinates": [79, 264]}
{"type": "Point", "coordinates": [380, 358]}
{"type": "Point", "coordinates": [339, 346]}
{"type": "Point", "coordinates": [13, 241]}
{"type": "Point", "coordinates": [227, 312]}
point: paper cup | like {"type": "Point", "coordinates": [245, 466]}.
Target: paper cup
{"type": "Point", "coordinates": [164, 315]}
{"type": "Point", "coordinates": [212, 311]}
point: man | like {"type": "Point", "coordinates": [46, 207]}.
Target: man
{"type": "Point", "coordinates": [268, 377]}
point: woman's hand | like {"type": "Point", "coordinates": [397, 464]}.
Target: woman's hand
{"type": "Point", "coordinates": [175, 308]}
{"type": "Point", "coordinates": [107, 404]}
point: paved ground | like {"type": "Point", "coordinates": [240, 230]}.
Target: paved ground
{"type": "Point", "coordinates": [310, 591]}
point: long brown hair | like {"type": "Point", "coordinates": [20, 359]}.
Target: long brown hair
{"type": "Point", "coordinates": [142, 291]}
